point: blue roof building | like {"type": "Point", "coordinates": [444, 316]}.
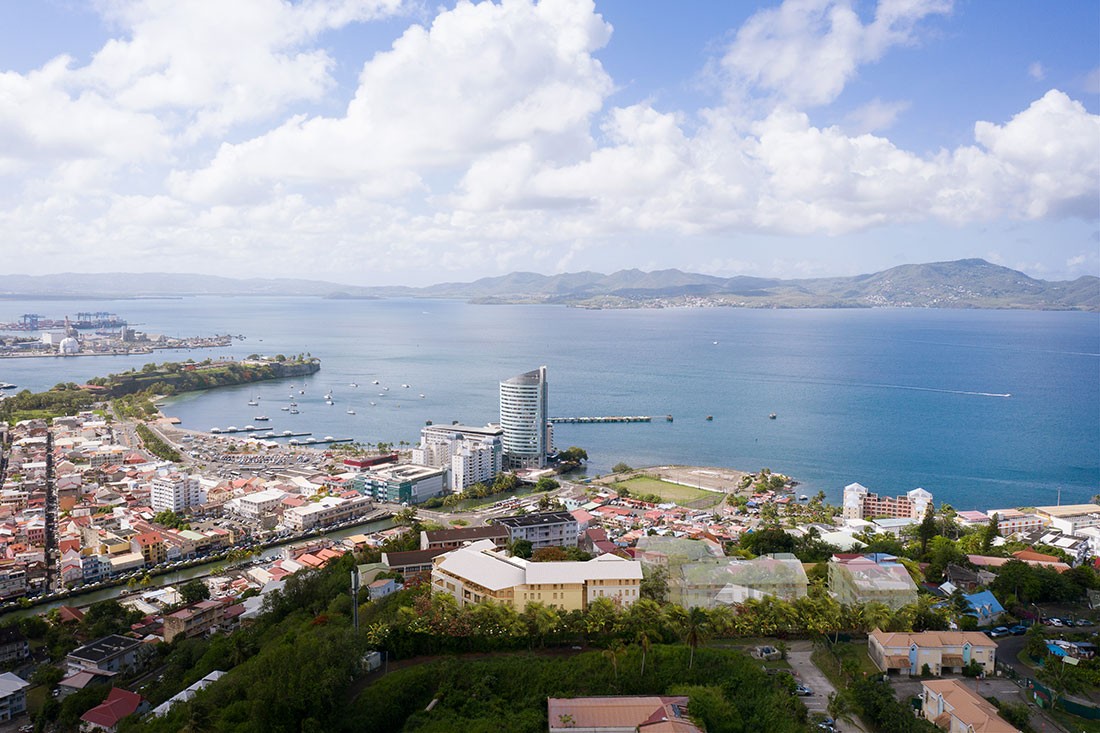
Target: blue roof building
{"type": "Point", "coordinates": [985, 607]}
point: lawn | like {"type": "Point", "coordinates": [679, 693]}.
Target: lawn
{"type": "Point", "coordinates": [682, 495]}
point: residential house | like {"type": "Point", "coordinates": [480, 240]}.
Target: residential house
{"type": "Point", "coordinates": [13, 645]}
{"type": "Point", "coordinates": [549, 529]}
{"type": "Point", "coordinates": [955, 708]}
{"type": "Point", "coordinates": [985, 607]}
{"type": "Point", "coordinates": [412, 562]}
{"type": "Point", "coordinates": [943, 651]}
{"type": "Point", "coordinates": [112, 653]}
{"type": "Point", "coordinates": [625, 714]}
{"type": "Point", "coordinates": [107, 715]}
{"type": "Point", "coordinates": [13, 695]}
{"type": "Point", "coordinates": [382, 588]}
{"type": "Point", "coordinates": [449, 539]}
{"type": "Point", "coordinates": [195, 619]}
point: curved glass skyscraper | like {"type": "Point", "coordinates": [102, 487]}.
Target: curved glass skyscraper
{"type": "Point", "coordinates": [523, 418]}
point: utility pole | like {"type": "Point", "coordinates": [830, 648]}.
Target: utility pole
{"type": "Point", "coordinates": [355, 599]}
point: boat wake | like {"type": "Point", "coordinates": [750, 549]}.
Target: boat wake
{"type": "Point", "coordinates": [942, 391]}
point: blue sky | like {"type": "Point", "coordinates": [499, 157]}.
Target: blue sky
{"type": "Point", "coordinates": [394, 141]}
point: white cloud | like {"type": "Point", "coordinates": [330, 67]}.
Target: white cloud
{"type": "Point", "coordinates": [482, 78]}
{"type": "Point", "coordinates": [1091, 83]}
{"type": "Point", "coordinates": [1036, 71]}
{"type": "Point", "coordinates": [805, 51]}
{"type": "Point", "coordinates": [874, 116]}
{"type": "Point", "coordinates": [217, 64]}
{"type": "Point", "coordinates": [483, 141]}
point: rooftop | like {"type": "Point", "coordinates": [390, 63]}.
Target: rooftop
{"type": "Point", "coordinates": [105, 648]}
{"type": "Point", "coordinates": [532, 520]}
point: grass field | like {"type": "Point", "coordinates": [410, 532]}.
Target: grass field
{"type": "Point", "coordinates": [682, 495]}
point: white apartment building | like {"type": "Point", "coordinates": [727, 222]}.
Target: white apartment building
{"type": "Point", "coordinates": [327, 510]}
{"type": "Point", "coordinates": [523, 418]}
{"type": "Point", "coordinates": [256, 505]}
{"type": "Point", "coordinates": [475, 462]}
{"type": "Point", "coordinates": [860, 503]}
{"type": "Point", "coordinates": [176, 492]}
{"type": "Point", "coordinates": [13, 579]}
{"type": "Point", "coordinates": [472, 454]}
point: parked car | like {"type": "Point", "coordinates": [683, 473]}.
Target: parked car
{"type": "Point", "coordinates": [998, 632]}
{"type": "Point", "coordinates": [1018, 630]}
{"type": "Point", "coordinates": [1055, 621]}
{"type": "Point", "coordinates": [803, 691]}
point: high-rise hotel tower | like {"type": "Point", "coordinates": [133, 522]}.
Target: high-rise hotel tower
{"type": "Point", "coordinates": [523, 417]}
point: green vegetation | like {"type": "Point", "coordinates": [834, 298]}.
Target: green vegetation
{"type": "Point", "coordinates": [173, 378]}
{"type": "Point", "coordinates": [156, 445]}
{"type": "Point", "coordinates": [728, 692]}
{"type": "Point", "coordinates": [63, 399]}
{"type": "Point", "coordinates": [171, 520]}
{"type": "Point", "coordinates": [647, 488]}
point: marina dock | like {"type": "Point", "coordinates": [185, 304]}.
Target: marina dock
{"type": "Point", "coordinates": [611, 418]}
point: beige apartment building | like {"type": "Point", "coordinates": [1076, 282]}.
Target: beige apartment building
{"type": "Point", "coordinates": [942, 651]}
{"type": "Point", "coordinates": [480, 572]}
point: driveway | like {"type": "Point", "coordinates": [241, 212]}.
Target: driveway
{"type": "Point", "coordinates": [809, 675]}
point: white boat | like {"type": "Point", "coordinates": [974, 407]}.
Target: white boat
{"type": "Point", "coordinates": [405, 386]}
{"type": "Point", "coordinates": [261, 418]}
{"type": "Point", "coordinates": [329, 402]}
{"type": "Point", "coordinates": [386, 388]}
{"type": "Point", "coordinates": [329, 438]}
{"type": "Point", "coordinates": [353, 384]}
{"type": "Point", "coordinates": [381, 394]}
{"type": "Point", "coordinates": [252, 403]}
{"type": "Point", "coordinates": [215, 430]}
{"type": "Point", "coordinates": [373, 404]}
{"type": "Point", "coordinates": [288, 432]}
{"type": "Point", "coordinates": [293, 411]}
{"type": "Point", "coordinates": [803, 498]}
{"type": "Point", "coordinates": [301, 391]}
{"type": "Point", "coordinates": [421, 395]}
{"type": "Point", "coordinates": [328, 395]}
{"type": "Point", "coordinates": [374, 382]}
{"type": "Point", "coordinates": [284, 409]}
{"type": "Point", "coordinates": [293, 404]}
{"type": "Point", "coordinates": [351, 412]}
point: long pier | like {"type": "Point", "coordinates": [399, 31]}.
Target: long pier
{"type": "Point", "coordinates": [610, 418]}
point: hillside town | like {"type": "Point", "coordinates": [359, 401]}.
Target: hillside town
{"type": "Point", "coordinates": [204, 545]}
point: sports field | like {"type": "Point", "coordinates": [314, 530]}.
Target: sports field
{"type": "Point", "coordinates": [682, 495]}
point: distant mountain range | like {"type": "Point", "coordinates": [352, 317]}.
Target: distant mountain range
{"type": "Point", "coordinates": [972, 283]}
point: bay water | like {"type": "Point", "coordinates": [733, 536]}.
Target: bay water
{"type": "Point", "coordinates": [985, 409]}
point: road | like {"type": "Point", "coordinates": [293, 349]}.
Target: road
{"type": "Point", "coordinates": [798, 656]}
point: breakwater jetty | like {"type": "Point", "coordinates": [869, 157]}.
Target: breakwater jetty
{"type": "Point", "coordinates": [610, 418]}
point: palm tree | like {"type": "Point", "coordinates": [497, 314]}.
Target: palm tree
{"type": "Point", "coordinates": [643, 639]}
{"type": "Point", "coordinates": [614, 653]}
{"type": "Point", "coordinates": [696, 629]}
{"type": "Point", "coordinates": [840, 707]}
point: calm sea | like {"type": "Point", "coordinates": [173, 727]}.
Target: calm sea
{"type": "Point", "coordinates": [893, 399]}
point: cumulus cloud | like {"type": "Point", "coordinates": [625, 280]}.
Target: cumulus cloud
{"type": "Point", "coordinates": [218, 64]}
{"type": "Point", "coordinates": [484, 140]}
{"type": "Point", "coordinates": [1036, 71]}
{"type": "Point", "coordinates": [480, 79]}
{"type": "Point", "coordinates": [805, 51]}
